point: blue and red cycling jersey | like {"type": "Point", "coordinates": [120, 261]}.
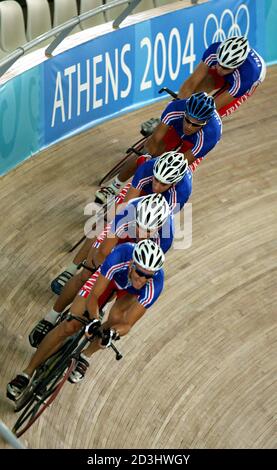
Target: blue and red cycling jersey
{"type": "Point", "coordinates": [244, 78]}
{"type": "Point", "coordinates": [177, 195]}
{"type": "Point", "coordinates": [116, 269]}
{"type": "Point", "coordinates": [124, 227]}
{"type": "Point", "coordinates": [202, 141]}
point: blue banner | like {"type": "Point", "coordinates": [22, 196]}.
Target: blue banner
{"type": "Point", "coordinates": [21, 120]}
{"type": "Point", "coordinates": [126, 68]}
{"type": "Point", "coordinates": [120, 71]}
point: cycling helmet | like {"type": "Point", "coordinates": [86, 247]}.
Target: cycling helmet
{"type": "Point", "coordinates": [200, 106]}
{"type": "Point", "coordinates": [148, 255]}
{"type": "Point", "coordinates": [170, 167]}
{"type": "Point", "coordinates": [152, 211]}
{"type": "Point", "coordinates": [232, 52]}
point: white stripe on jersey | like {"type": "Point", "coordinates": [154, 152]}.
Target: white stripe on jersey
{"type": "Point", "coordinates": [117, 267]}
{"type": "Point", "coordinates": [143, 182]}
{"type": "Point", "coordinates": [237, 83]}
{"type": "Point", "coordinates": [199, 143]}
{"type": "Point", "coordinates": [210, 59]}
{"type": "Point", "coordinates": [149, 294]}
{"type": "Point", "coordinates": [173, 115]}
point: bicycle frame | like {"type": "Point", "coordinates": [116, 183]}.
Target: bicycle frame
{"type": "Point", "coordinates": [50, 378]}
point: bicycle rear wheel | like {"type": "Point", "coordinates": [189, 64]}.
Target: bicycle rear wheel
{"type": "Point", "coordinates": [138, 146]}
{"type": "Point", "coordinates": [42, 398]}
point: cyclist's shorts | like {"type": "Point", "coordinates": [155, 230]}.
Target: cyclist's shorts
{"type": "Point", "coordinates": [219, 81]}
{"type": "Point", "coordinates": [142, 159]}
{"type": "Point", "coordinates": [237, 102]}
{"type": "Point", "coordinates": [171, 140]}
{"type": "Point", "coordinates": [107, 294]}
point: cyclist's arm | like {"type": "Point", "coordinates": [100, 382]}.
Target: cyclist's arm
{"type": "Point", "coordinates": [190, 157]}
{"type": "Point", "coordinates": [154, 144]}
{"type": "Point", "coordinates": [132, 315]}
{"type": "Point", "coordinates": [97, 290]}
{"type": "Point", "coordinates": [104, 249]}
{"type": "Point", "coordinates": [191, 84]}
{"type": "Point", "coordinates": [132, 194]}
{"type": "Point", "coordinates": [223, 99]}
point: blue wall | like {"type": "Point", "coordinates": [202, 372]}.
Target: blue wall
{"type": "Point", "coordinates": [120, 71]}
{"type": "Point", "coordinates": [271, 31]}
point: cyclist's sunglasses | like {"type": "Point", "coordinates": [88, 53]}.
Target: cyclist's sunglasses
{"type": "Point", "coordinates": [230, 69]}
{"type": "Point", "coordinates": [194, 124]}
{"type": "Point", "coordinates": [148, 232]}
{"type": "Point", "coordinates": [141, 273]}
{"type": "Point", "coordinates": [160, 182]}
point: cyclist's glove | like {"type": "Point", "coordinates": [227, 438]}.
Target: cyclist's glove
{"type": "Point", "coordinates": [107, 336]}
{"type": "Point", "coordinates": [93, 327]}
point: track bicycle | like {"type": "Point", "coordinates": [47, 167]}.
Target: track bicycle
{"type": "Point", "coordinates": [50, 377]}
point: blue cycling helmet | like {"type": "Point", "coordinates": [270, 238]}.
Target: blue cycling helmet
{"type": "Point", "coordinates": [200, 106]}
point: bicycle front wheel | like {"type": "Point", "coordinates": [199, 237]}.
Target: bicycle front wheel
{"type": "Point", "coordinates": [41, 398]}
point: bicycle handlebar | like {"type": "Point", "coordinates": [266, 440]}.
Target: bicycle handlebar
{"type": "Point", "coordinates": [118, 355]}
{"type": "Point", "coordinates": [137, 152]}
{"type": "Point", "coordinates": [98, 334]}
{"type": "Point", "coordinates": [170, 92]}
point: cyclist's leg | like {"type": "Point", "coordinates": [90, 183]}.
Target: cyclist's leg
{"type": "Point", "coordinates": [210, 83]}
{"type": "Point", "coordinates": [50, 344]}
{"type": "Point", "coordinates": [84, 251]}
{"type": "Point", "coordinates": [232, 107]}
{"type": "Point", "coordinates": [56, 337]}
{"type": "Point", "coordinates": [236, 103]}
{"type": "Point", "coordinates": [117, 315]}
{"type": "Point", "coordinates": [69, 292]}
{"type": "Point", "coordinates": [120, 311]}
{"type": "Point", "coordinates": [73, 286]}
{"type": "Point", "coordinates": [58, 284]}
{"type": "Point", "coordinates": [114, 188]}
{"type": "Point", "coordinates": [82, 365]}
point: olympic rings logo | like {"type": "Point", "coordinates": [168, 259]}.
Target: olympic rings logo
{"type": "Point", "coordinates": [227, 26]}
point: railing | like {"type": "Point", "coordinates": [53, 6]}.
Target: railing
{"type": "Point", "coordinates": [61, 32]}
{"type": "Point", "coordinates": [9, 437]}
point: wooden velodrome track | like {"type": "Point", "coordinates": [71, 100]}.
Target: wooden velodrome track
{"type": "Point", "coordinates": [200, 368]}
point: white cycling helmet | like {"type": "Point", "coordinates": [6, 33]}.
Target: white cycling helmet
{"type": "Point", "coordinates": [170, 167]}
{"type": "Point", "coordinates": [232, 52]}
{"type": "Point", "coordinates": [148, 255]}
{"type": "Point", "coordinates": [152, 211]}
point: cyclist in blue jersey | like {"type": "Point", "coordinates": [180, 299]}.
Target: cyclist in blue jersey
{"type": "Point", "coordinates": [169, 174]}
{"type": "Point", "coordinates": [192, 123]}
{"type": "Point", "coordinates": [134, 272]}
{"type": "Point", "coordinates": [192, 126]}
{"type": "Point", "coordinates": [145, 217]}
{"type": "Point", "coordinates": [230, 66]}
